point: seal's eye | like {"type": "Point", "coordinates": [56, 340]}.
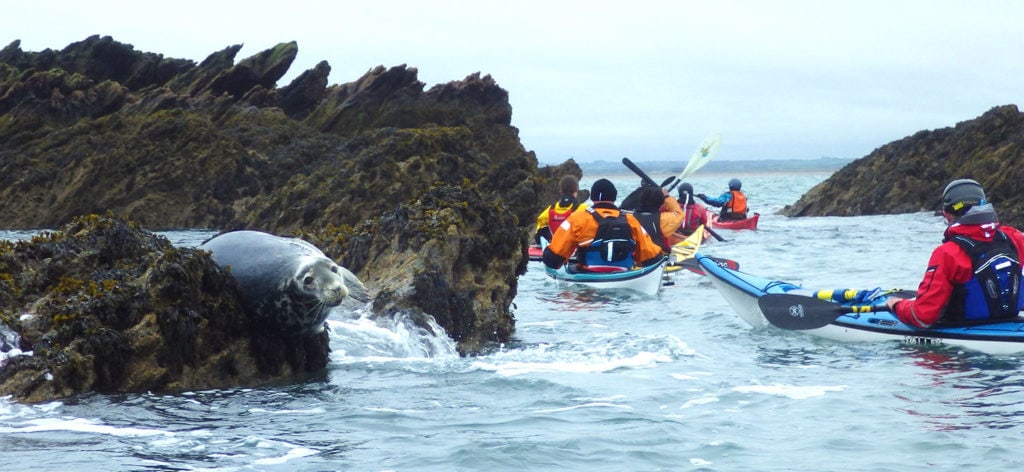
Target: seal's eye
{"type": "Point", "coordinates": [334, 269]}
{"type": "Point", "coordinates": [308, 280]}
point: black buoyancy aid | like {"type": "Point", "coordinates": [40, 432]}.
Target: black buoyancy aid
{"type": "Point", "coordinates": [651, 221]}
{"type": "Point", "coordinates": [995, 291]}
{"type": "Point", "coordinates": [613, 244]}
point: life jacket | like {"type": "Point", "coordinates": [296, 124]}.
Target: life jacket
{"type": "Point", "coordinates": [560, 212]}
{"type": "Point", "coordinates": [612, 245]}
{"type": "Point", "coordinates": [995, 290]}
{"type": "Point", "coordinates": [651, 221]}
{"type": "Point", "coordinates": [737, 206]}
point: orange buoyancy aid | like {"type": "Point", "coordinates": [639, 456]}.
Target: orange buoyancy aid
{"type": "Point", "coordinates": [738, 203]}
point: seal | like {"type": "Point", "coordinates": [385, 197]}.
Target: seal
{"type": "Point", "coordinates": [286, 283]}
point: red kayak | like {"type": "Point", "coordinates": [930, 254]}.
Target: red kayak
{"type": "Point", "coordinates": [536, 253]}
{"type": "Point", "coordinates": [749, 223]}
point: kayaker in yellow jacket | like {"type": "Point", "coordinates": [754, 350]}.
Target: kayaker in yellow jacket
{"type": "Point", "coordinates": [553, 216]}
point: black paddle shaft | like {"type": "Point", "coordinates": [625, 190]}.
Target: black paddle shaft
{"type": "Point", "coordinates": [636, 170]}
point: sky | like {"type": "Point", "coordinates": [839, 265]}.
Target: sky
{"type": "Point", "coordinates": [603, 80]}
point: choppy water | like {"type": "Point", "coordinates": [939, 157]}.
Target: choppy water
{"type": "Point", "coordinates": [592, 382]}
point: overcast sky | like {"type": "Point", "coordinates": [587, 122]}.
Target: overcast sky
{"type": "Point", "coordinates": [641, 79]}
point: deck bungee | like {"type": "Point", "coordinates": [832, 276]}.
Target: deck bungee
{"type": "Point", "coordinates": [856, 316]}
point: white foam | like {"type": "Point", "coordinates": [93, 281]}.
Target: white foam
{"type": "Point", "coordinates": [367, 336]}
{"type": "Point", "coordinates": [293, 453]}
{"type": "Point", "coordinates": [579, 366]}
{"type": "Point", "coordinates": [791, 391]}
{"type": "Point", "coordinates": [586, 405]}
{"type": "Point", "coordinates": [82, 425]}
{"type": "Point", "coordinates": [700, 401]}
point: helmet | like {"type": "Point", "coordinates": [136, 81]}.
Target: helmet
{"type": "Point", "coordinates": [684, 189]}
{"type": "Point", "coordinates": [962, 193]}
{"type": "Point", "coordinates": [735, 184]}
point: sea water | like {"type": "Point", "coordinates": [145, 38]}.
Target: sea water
{"type": "Point", "coordinates": [592, 381]}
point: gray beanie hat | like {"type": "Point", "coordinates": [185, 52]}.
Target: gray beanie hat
{"type": "Point", "coordinates": [962, 193]}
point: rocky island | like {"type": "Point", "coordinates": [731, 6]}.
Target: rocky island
{"type": "Point", "coordinates": [908, 175]}
{"type": "Point", "coordinates": [427, 195]}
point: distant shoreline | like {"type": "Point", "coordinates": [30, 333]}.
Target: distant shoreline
{"type": "Point", "coordinates": [733, 167]}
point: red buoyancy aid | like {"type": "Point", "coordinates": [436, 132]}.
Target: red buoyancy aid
{"type": "Point", "coordinates": [694, 217]}
{"type": "Point", "coordinates": [557, 215]}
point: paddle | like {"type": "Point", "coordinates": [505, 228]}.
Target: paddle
{"type": "Point", "coordinates": [700, 157]}
{"type": "Point", "coordinates": [691, 263]}
{"type": "Point", "coordinates": [714, 234]}
{"type": "Point", "coordinates": [798, 312]}
{"type": "Point", "coordinates": [636, 170]}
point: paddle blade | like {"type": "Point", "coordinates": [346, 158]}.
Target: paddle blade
{"type": "Point", "coordinates": [797, 312]}
{"type": "Point", "coordinates": [702, 155]}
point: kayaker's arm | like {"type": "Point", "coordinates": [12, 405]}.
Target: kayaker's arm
{"type": "Point", "coordinates": [551, 259]}
{"type": "Point", "coordinates": [716, 202]}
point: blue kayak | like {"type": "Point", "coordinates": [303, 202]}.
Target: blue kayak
{"type": "Point", "coordinates": [856, 316]}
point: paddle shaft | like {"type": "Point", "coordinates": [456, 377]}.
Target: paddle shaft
{"type": "Point", "coordinates": [714, 234]}
{"type": "Point", "coordinates": [636, 170]}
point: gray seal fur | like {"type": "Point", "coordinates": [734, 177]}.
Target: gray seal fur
{"type": "Point", "coordinates": [286, 283]}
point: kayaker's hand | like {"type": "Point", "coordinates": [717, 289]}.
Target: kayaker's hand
{"type": "Point", "coordinates": [891, 303]}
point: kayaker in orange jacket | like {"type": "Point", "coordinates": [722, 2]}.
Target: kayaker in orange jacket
{"type": "Point", "coordinates": [603, 235]}
{"type": "Point", "coordinates": [660, 215]}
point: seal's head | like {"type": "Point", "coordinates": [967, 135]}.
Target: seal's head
{"type": "Point", "coordinates": [316, 286]}
{"type": "Point", "coordinates": [320, 278]}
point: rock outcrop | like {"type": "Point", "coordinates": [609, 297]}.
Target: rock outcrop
{"type": "Point", "coordinates": [908, 175]}
{"type": "Point", "coordinates": [107, 307]}
{"type": "Point", "coordinates": [428, 195]}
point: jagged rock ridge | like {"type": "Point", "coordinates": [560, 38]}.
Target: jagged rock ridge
{"type": "Point", "coordinates": [908, 175]}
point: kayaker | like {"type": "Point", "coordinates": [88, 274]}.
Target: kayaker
{"type": "Point", "coordinates": [659, 213]}
{"type": "Point", "coordinates": [733, 202]}
{"type": "Point", "coordinates": [694, 214]}
{"type": "Point", "coordinates": [552, 216]}
{"type": "Point", "coordinates": [974, 276]}
{"type": "Point", "coordinates": [603, 235]}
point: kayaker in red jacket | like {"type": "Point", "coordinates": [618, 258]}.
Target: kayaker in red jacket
{"type": "Point", "coordinates": [952, 291]}
{"type": "Point", "coordinates": [694, 214]}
